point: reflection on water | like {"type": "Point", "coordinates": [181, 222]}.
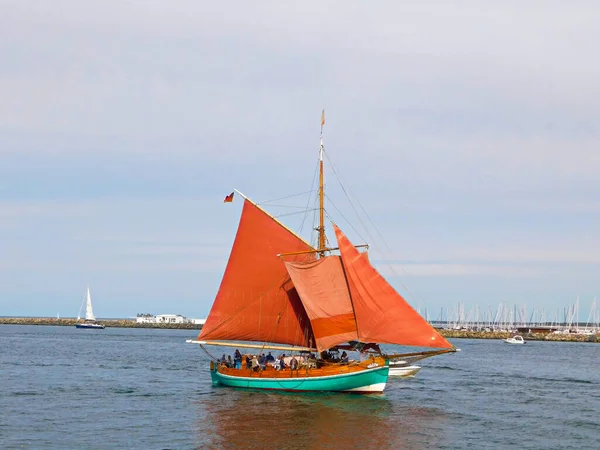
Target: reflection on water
{"type": "Point", "coordinates": [230, 418]}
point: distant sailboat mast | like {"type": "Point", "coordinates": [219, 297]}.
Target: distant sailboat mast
{"type": "Point", "coordinates": [89, 312]}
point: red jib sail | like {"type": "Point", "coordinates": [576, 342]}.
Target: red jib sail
{"type": "Point", "coordinates": [256, 300]}
{"type": "Point", "coordinates": [382, 315]}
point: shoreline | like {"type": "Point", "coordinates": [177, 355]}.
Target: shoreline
{"type": "Point", "coordinates": [455, 334]}
{"type": "Point", "coordinates": [550, 337]}
{"type": "Point", "coordinates": [114, 323]}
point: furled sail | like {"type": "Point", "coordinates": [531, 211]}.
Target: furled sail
{"type": "Point", "coordinates": [89, 312]}
{"type": "Point", "coordinates": [257, 300]}
{"type": "Point", "coordinates": [382, 315]}
{"type": "Point", "coordinates": [322, 287]}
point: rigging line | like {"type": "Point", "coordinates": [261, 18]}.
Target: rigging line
{"type": "Point", "coordinates": [291, 214]}
{"type": "Point", "coordinates": [288, 206]}
{"type": "Point", "coordinates": [315, 172]}
{"type": "Point", "coordinates": [391, 267]}
{"type": "Point", "coordinates": [389, 250]}
{"type": "Point", "coordinates": [348, 196]}
{"type": "Point", "coordinates": [208, 353]}
{"type": "Point", "coordinates": [286, 197]}
{"type": "Point", "coordinates": [343, 217]}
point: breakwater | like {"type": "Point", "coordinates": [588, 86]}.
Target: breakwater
{"type": "Point", "coordinates": [571, 337]}
{"type": "Point", "coordinates": [114, 323]}
{"type": "Point", "coordinates": [458, 334]}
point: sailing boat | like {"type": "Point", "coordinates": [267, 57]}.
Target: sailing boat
{"type": "Point", "coordinates": [90, 319]}
{"type": "Point", "coordinates": [281, 293]}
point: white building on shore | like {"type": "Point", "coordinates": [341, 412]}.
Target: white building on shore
{"type": "Point", "coordinates": [167, 318]}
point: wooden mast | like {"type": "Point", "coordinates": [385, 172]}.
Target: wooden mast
{"type": "Point", "coordinates": [321, 228]}
{"type": "Point", "coordinates": [322, 240]}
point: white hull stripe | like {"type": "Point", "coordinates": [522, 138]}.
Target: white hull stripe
{"type": "Point", "coordinates": [377, 387]}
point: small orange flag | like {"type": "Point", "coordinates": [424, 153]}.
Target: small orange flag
{"type": "Point", "coordinates": [229, 198]}
{"type": "Point", "coordinates": [323, 118]}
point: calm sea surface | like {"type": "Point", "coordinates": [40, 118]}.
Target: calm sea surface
{"type": "Point", "coordinates": [65, 388]}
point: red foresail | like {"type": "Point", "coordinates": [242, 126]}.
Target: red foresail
{"type": "Point", "coordinates": [322, 287]}
{"type": "Point", "coordinates": [382, 315]}
{"type": "Point", "coordinates": [256, 300]}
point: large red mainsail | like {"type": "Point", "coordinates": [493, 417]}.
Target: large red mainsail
{"type": "Point", "coordinates": [322, 287]}
{"type": "Point", "coordinates": [256, 300]}
{"type": "Point", "coordinates": [382, 315]}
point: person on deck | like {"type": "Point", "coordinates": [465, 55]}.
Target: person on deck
{"type": "Point", "coordinates": [262, 361]}
{"type": "Point", "coordinates": [293, 363]}
{"type": "Point", "coordinates": [248, 362]}
{"type": "Point", "coordinates": [255, 365]}
{"type": "Point", "coordinates": [270, 358]}
{"type": "Point", "coordinates": [237, 359]}
{"type": "Point", "coordinates": [344, 358]}
{"type": "Point", "coordinates": [229, 361]}
{"type": "Point", "coordinates": [279, 363]}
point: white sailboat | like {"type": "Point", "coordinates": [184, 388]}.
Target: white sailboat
{"type": "Point", "coordinates": [90, 319]}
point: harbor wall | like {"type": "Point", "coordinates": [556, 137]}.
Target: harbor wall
{"type": "Point", "coordinates": [458, 334]}
{"type": "Point", "coordinates": [571, 337]}
{"type": "Point", "coordinates": [113, 323]}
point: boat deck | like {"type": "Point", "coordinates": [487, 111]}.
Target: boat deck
{"type": "Point", "coordinates": [304, 371]}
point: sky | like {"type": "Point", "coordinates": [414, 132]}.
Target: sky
{"type": "Point", "coordinates": [468, 131]}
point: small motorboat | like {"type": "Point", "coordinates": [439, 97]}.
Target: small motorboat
{"type": "Point", "coordinates": [515, 340]}
{"type": "Point", "coordinates": [403, 369]}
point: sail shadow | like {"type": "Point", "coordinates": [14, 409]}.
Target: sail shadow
{"type": "Point", "coordinates": [259, 419]}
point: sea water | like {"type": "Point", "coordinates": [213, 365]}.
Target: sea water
{"type": "Point", "coordinates": [64, 388]}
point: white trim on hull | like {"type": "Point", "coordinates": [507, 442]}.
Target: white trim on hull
{"type": "Point", "coordinates": [377, 387]}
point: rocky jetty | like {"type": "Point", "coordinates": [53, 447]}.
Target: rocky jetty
{"type": "Point", "coordinates": [130, 323]}
{"type": "Point", "coordinates": [121, 323]}
{"type": "Point", "coordinates": [572, 337]}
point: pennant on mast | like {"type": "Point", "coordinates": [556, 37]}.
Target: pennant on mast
{"type": "Point", "coordinates": [228, 198]}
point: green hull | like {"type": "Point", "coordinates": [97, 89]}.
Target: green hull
{"type": "Point", "coordinates": [370, 380]}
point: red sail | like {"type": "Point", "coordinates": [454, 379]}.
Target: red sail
{"type": "Point", "coordinates": [324, 293]}
{"type": "Point", "coordinates": [256, 300]}
{"type": "Point", "coordinates": [382, 315]}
